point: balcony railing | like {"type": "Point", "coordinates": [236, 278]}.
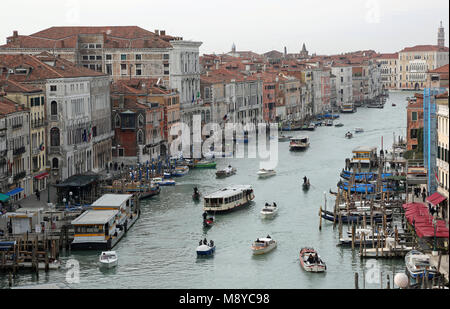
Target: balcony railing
{"type": "Point", "coordinates": [17, 125]}
{"type": "Point", "coordinates": [37, 123]}
{"type": "Point", "coordinates": [19, 151]}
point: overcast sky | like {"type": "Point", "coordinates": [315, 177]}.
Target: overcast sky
{"type": "Point", "coordinates": [326, 27]}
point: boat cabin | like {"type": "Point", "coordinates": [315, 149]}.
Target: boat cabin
{"type": "Point", "coordinates": [300, 140]}
{"type": "Point", "coordinates": [121, 202]}
{"type": "Point", "coordinates": [95, 229]}
{"type": "Point", "coordinates": [366, 156]}
{"type": "Point", "coordinates": [228, 198]}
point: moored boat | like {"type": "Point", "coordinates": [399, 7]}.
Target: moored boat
{"type": "Point", "coordinates": [311, 261]}
{"type": "Point", "coordinates": [180, 171]}
{"type": "Point", "coordinates": [263, 245]}
{"type": "Point", "coordinates": [108, 259]}
{"type": "Point", "coordinates": [299, 143]}
{"type": "Point", "coordinates": [163, 182]}
{"type": "Point", "coordinates": [417, 264]}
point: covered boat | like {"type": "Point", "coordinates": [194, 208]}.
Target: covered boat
{"type": "Point", "coordinates": [300, 143]}
{"type": "Point", "coordinates": [108, 259]}
{"type": "Point", "coordinates": [311, 261]}
{"type": "Point", "coordinates": [228, 198]}
{"type": "Point", "coordinates": [263, 245]}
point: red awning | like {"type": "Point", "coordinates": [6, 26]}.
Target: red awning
{"type": "Point", "coordinates": [41, 176]}
{"type": "Point", "coordinates": [436, 198]}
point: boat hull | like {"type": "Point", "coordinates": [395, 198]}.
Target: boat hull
{"type": "Point", "coordinates": [265, 249]}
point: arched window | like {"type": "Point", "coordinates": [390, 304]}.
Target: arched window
{"type": "Point", "coordinates": [140, 137]}
{"type": "Point", "coordinates": [140, 121]}
{"type": "Point", "coordinates": [55, 163]}
{"type": "Point", "coordinates": [54, 108]}
{"type": "Point", "coordinates": [54, 137]}
{"type": "Point", "coordinates": [117, 121]}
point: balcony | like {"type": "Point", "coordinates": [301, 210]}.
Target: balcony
{"type": "Point", "coordinates": [17, 126]}
{"type": "Point", "coordinates": [19, 151]}
{"type": "Point", "coordinates": [37, 123]}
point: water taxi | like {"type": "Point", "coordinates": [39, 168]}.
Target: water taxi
{"type": "Point", "coordinates": [108, 259]}
{"type": "Point", "coordinates": [228, 171]}
{"type": "Point", "coordinates": [311, 261]}
{"type": "Point", "coordinates": [263, 245]}
{"type": "Point", "coordinates": [105, 223]}
{"type": "Point", "coordinates": [269, 211]}
{"type": "Point", "coordinates": [300, 143]}
{"type": "Point", "coordinates": [228, 198]}
{"type": "Point", "coordinates": [262, 173]}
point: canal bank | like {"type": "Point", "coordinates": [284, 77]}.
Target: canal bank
{"type": "Point", "coordinates": [159, 252]}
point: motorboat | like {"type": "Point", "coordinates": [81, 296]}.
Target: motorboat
{"type": "Point", "coordinates": [348, 135]}
{"type": "Point", "coordinates": [180, 171]}
{"type": "Point", "coordinates": [206, 249]}
{"type": "Point", "coordinates": [263, 245]}
{"type": "Point", "coordinates": [299, 143]}
{"type": "Point", "coordinates": [205, 164]}
{"type": "Point", "coordinates": [163, 182]}
{"type": "Point", "coordinates": [306, 186]}
{"type": "Point", "coordinates": [339, 125]}
{"type": "Point", "coordinates": [311, 261]}
{"type": "Point", "coordinates": [417, 264]}
{"type": "Point", "coordinates": [283, 138]}
{"type": "Point", "coordinates": [269, 211]}
{"type": "Point", "coordinates": [359, 130]}
{"type": "Point", "coordinates": [228, 171]}
{"type": "Point", "coordinates": [329, 123]}
{"type": "Point", "coordinates": [108, 259]}
{"type": "Point", "coordinates": [262, 173]}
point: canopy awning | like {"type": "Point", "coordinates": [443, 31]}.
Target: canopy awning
{"type": "Point", "coordinates": [4, 198]}
{"type": "Point", "coordinates": [14, 191]}
{"type": "Point", "coordinates": [418, 215]}
{"type": "Point", "coordinates": [436, 198]}
{"type": "Point", "coordinates": [41, 176]}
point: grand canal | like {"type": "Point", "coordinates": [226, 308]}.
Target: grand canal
{"type": "Point", "coordinates": [159, 251]}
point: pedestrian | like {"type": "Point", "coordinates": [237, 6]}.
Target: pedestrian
{"type": "Point", "coordinates": [38, 195]}
{"type": "Point", "coordinates": [424, 196]}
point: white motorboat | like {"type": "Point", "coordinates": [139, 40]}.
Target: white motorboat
{"type": "Point", "coordinates": [418, 264]}
{"type": "Point", "coordinates": [311, 261]}
{"type": "Point", "coordinates": [269, 211]}
{"type": "Point", "coordinates": [266, 173]}
{"type": "Point", "coordinates": [163, 182]}
{"type": "Point", "coordinates": [263, 245]}
{"type": "Point", "coordinates": [108, 259]}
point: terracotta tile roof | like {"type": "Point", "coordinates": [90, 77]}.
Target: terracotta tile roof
{"type": "Point", "coordinates": [67, 37]}
{"type": "Point", "coordinates": [8, 107]}
{"type": "Point", "coordinates": [41, 67]}
{"type": "Point", "coordinates": [442, 69]}
{"type": "Point", "coordinates": [424, 48]}
{"type": "Point", "coordinates": [12, 86]}
{"type": "Point", "coordinates": [387, 56]}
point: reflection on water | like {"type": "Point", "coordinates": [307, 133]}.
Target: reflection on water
{"type": "Point", "coordinates": [160, 250]}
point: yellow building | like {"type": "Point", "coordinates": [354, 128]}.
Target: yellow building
{"type": "Point", "coordinates": [388, 70]}
{"type": "Point", "coordinates": [415, 62]}
{"type": "Point", "coordinates": [32, 98]}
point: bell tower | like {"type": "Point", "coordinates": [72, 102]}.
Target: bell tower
{"type": "Point", "coordinates": [441, 36]}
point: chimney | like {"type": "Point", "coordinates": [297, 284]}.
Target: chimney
{"type": "Point", "coordinates": [157, 32]}
{"type": "Point", "coordinates": [163, 32]}
{"type": "Point", "coordinates": [15, 34]}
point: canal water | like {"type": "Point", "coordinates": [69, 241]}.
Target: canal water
{"type": "Point", "coordinates": [159, 251]}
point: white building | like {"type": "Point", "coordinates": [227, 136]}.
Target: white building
{"type": "Point", "coordinates": [344, 84]}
